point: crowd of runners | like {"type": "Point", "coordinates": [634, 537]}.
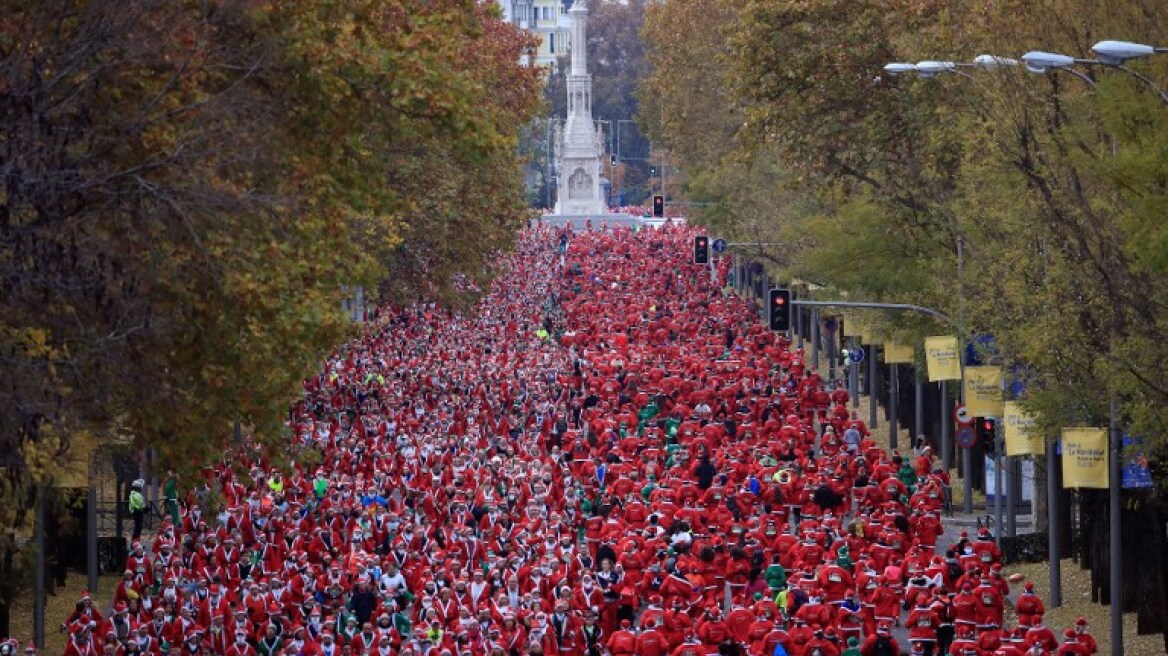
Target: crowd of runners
{"type": "Point", "coordinates": [611, 456]}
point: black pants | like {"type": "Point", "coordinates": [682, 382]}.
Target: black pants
{"type": "Point", "coordinates": [139, 516]}
{"type": "Point", "coordinates": [945, 634]}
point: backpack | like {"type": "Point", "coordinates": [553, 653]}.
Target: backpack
{"type": "Point", "coordinates": [883, 647]}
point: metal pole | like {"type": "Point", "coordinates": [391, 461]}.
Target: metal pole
{"type": "Point", "coordinates": [832, 353]}
{"type": "Point", "coordinates": [1013, 492]}
{"type": "Point", "coordinates": [38, 586]}
{"type": "Point", "coordinates": [548, 169]}
{"type": "Point", "coordinates": [961, 310]}
{"type": "Point", "coordinates": [615, 185]}
{"type": "Point", "coordinates": [799, 317]}
{"type": "Point", "coordinates": [853, 375]}
{"type": "Point", "coordinates": [1053, 490]}
{"type": "Point", "coordinates": [967, 480]}
{"type": "Point", "coordinates": [919, 392]}
{"type": "Point", "coordinates": [1014, 495]}
{"type": "Point", "coordinates": [946, 434]}
{"type": "Point", "coordinates": [815, 338]}
{"type": "Point", "coordinates": [998, 487]}
{"type": "Point", "coordinates": [966, 454]}
{"type": "Point", "coordinates": [893, 392]}
{"type": "Point", "coordinates": [91, 529]}
{"type": "Point", "coordinates": [1115, 546]}
{"type": "Point", "coordinates": [872, 394]}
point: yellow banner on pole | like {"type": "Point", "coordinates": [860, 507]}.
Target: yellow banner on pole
{"type": "Point", "coordinates": [1021, 437]}
{"type": "Point", "coordinates": [898, 353]}
{"type": "Point", "coordinates": [864, 331]}
{"type": "Point", "coordinates": [1085, 457]}
{"type": "Point", "coordinates": [942, 358]}
{"type": "Point", "coordinates": [983, 391]}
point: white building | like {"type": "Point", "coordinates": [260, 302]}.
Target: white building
{"type": "Point", "coordinates": [548, 19]}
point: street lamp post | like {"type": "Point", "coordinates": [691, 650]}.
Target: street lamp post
{"type": "Point", "coordinates": [1109, 54]}
{"type": "Point", "coordinates": [1117, 53]}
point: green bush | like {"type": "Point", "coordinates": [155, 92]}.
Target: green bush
{"type": "Point", "coordinates": [1030, 548]}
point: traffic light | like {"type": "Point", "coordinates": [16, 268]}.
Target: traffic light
{"type": "Point", "coordinates": [613, 159]}
{"type": "Point", "coordinates": [780, 310]}
{"type": "Point", "coordinates": [652, 171]}
{"type": "Point", "coordinates": [986, 434]}
{"type": "Point", "coordinates": [701, 245]}
{"type": "Point", "coordinates": [659, 206]}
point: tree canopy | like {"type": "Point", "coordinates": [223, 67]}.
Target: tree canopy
{"type": "Point", "coordinates": [188, 188]}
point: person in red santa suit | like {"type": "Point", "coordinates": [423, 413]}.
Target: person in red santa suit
{"type": "Point", "coordinates": [218, 636]}
{"type": "Point", "coordinates": [651, 642]}
{"type": "Point", "coordinates": [194, 643]}
{"type": "Point", "coordinates": [799, 636]}
{"type": "Point", "coordinates": [120, 624]}
{"type": "Point", "coordinates": [991, 606]}
{"type": "Point", "coordinates": [623, 642]}
{"type": "Point", "coordinates": [821, 644]}
{"type": "Point", "coordinates": [677, 623]}
{"type": "Point", "coordinates": [239, 645]}
{"type": "Point", "coordinates": [965, 639]}
{"type": "Point", "coordinates": [83, 614]}
{"type": "Point", "coordinates": [328, 645]}
{"type": "Point", "coordinates": [886, 602]}
{"type": "Point", "coordinates": [80, 642]}
{"type": "Point", "coordinates": [1084, 637]}
{"type": "Point", "coordinates": [922, 625]}
{"type": "Point", "coordinates": [880, 643]}
{"type": "Point", "coordinates": [301, 644]}
{"type": "Point", "coordinates": [692, 646]}
{"type": "Point", "coordinates": [1040, 634]}
{"type": "Point", "coordinates": [1028, 605]}
{"type": "Point", "coordinates": [712, 629]}
{"type": "Point", "coordinates": [564, 628]}
{"type": "Point", "coordinates": [512, 634]}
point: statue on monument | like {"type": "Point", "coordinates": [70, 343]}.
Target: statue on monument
{"type": "Point", "coordinates": [579, 148]}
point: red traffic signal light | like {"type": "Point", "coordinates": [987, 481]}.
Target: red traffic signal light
{"type": "Point", "coordinates": [701, 249]}
{"type": "Point", "coordinates": [659, 206]}
{"type": "Point", "coordinates": [780, 311]}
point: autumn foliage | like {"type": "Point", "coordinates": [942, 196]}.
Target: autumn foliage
{"type": "Point", "coordinates": [188, 187]}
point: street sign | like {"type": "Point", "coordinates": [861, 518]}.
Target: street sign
{"type": "Point", "coordinates": [719, 245]}
{"type": "Point", "coordinates": [856, 355]}
{"type": "Point", "coordinates": [961, 414]}
{"type": "Point", "coordinates": [966, 437]}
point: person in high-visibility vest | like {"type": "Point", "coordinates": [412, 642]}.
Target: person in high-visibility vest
{"type": "Point", "coordinates": [137, 506]}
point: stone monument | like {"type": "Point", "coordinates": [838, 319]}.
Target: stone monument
{"type": "Point", "coordinates": [579, 148]}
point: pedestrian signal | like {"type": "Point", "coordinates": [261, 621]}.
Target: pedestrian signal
{"type": "Point", "coordinates": [986, 429]}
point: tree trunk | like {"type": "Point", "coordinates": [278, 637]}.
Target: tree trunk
{"type": "Point", "coordinates": [7, 592]}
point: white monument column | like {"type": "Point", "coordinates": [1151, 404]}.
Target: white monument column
{"type": "Point", "coordinates": [579, 153]}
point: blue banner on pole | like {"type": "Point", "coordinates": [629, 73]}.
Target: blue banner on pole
{"type": "Point", "coordinates": [981, 350]}
{"type": "Point", "coordinates": [1136, 474]}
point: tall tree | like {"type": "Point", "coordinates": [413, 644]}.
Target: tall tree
{"type": "Point", "coordinates": [190, 186]}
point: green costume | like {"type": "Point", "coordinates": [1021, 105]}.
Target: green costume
{"type": "Point", "coordinates": [776, 576]}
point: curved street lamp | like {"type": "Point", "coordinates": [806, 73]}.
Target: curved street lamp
{"type": "Point", "coordinates": [993, 62]}
{"type": "Point", "coordinates": [1112, 54]}
{"type": "Point", "coordinates": [899, 68]}
{"type": "Point", "coordinates": [1117, 53]}
{"type": "Point", "coordinates": [1040, 62]}
{"type": "Point", "coordinates": [931, 68]}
